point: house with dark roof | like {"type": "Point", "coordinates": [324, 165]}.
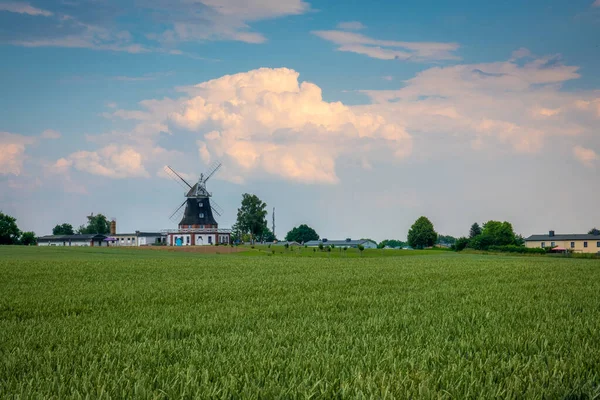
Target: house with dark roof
{"type": "Point", "coordinates": [90, 240]}
{"type": "Point", "coordinates": [577, 242]}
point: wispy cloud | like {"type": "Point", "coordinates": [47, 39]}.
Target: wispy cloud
{"type": "Point", "coordinates": [390, 49]}
{"type": "Point", "coordinates": [23, 8]}
{"type": "Point", "coordinates": [50, 134]}
{"type": "Point", "coordinates": [145, 77]}
{"type": "Point", "coordinates": [350, 26]}
{"type": "Point", "coordinates": [586, 156]}
{"type": "Point", "coordinates": [219, 20]}
{"type": "Point", "coordinates": [96, 25]}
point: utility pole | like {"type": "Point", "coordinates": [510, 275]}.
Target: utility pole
{"type": "Point", "coordinates": [273, 230]}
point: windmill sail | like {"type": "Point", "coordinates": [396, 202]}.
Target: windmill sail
{"type": "Point", "coordinates": [177, 178]}
{"type": "Point", "coordinates": [199, 209]}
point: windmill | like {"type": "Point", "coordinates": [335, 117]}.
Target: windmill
{"type": "Point", "coordinates": [199, 209]}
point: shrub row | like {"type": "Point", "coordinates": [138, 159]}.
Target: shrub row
{"type": "Point", "coordinates": [517, 249]}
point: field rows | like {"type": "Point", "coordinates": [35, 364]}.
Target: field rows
{"type": "Point", "coordinates": [102, 325]}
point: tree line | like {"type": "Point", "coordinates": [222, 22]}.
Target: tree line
{"type": "Point", "coordinates": [11, 234]}
{"type": "Point", "coordinates": [251, 226]}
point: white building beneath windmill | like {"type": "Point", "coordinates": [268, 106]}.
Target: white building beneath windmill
{"type": "Point", "coordinates": [197, 226]}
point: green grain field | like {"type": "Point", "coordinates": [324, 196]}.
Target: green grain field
{"type": "Point", "coordinates": [115, 323]}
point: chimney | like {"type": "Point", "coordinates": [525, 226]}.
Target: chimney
{"type": "Point", "coordinates": [113, 227]}
{"type": "Point", "coordinates": [551, 233]}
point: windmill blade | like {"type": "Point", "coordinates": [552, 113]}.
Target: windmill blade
{"type": "Point", "coordinates": [174, 175]}
{"type": "Point", "coordinates": [214, 167]}
{"type": "Point", "coordinates": [216, 208]}
{"type": "Point", "coordinates": [177, 213]}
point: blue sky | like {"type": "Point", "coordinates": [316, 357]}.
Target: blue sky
{"type": "Point", "coordinates": [355, 117]}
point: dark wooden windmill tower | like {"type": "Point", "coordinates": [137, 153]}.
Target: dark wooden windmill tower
{"type": "Point", "coordinates": [199, 208]}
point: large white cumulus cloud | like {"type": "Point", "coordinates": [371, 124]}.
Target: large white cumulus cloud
{"type": "Point", "coordinates": [266, 121]}
{"type": "Point", "coordinates": [263, 122]}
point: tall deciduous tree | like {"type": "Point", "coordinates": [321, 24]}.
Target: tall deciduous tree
{"type": "Point", "coordinates": [422, 234]}
{"type": "Point", "coordinates": [494, 233]}
{"type": "Point", "coordinates": [97, 224]}
{"type": "Point", "coordinates": [594, 231]}
{"type": "Point", "coordinates": [28, 239]}
{"type": "Point", "coordinates": [252, 216]}
{"type": "Point", "coordinates": [302, 234]}
{"type": "Point", "coordinates": [475, 230]}
{"type": "Point", "coordinates": [9, 231]}
{"type": "Point", "coordinates": [63, 229]}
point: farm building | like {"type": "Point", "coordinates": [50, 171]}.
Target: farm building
{"type": "Point", "coordinates": [579, 243]}
{"type": "Point", "coordinates": [198, 236]}
{"type": "Point", "coordinates": [138, 239]}
{"type": "Point", "coordinates": [342, 243]}
{"type": "Point", "coordinates": [197, 226]}
{"type": "Point", "coordinates": [73, 240]}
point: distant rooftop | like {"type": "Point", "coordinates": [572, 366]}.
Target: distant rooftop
{"type": "Point", "coordinates": [570, 236]}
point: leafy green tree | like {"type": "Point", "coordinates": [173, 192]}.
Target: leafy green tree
{"type": "Point", "coordinates": [519, 240]}
{"type": "Point", "coordinates": [28, 239]}
{"type": "Point", "coordinates": [321, 246]}
{"type": "Point", "coordinates": [266, 236]}
{"type": "Point", "coordinates": [361, 248]}
{"type": "Point", "coordinates": [475, 230]}
{"type": "Point", "coordinates": [64, 229]}
{"type": "Point", "coordinates": [594, 231]}
{"type": "Point", "coordinates": [97, 224]}
{"type": "Point", "coordinates": [394, 244]}
{"type": "Point", "coordinates": [236, 233]}
{"type": "Point", "coordinates": [252, 216]}
{"type": "Point", "coordinates": [422, 234]}
{"type": "Point", "coordinates": [446, 239]}
{"type": "Point", "coordinates": [302, 234]}
{"type": "Point", "coordinates": [9, 231]}
{"type": "Point", "coordinates": [501, 233]}
{"type": "Point", "coordinates": [494, 233]}
{"type": "Point", "coordinates": [461, 244]}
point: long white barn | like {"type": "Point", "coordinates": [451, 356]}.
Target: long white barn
{"type": "Point", "coordinates": [89, 240]}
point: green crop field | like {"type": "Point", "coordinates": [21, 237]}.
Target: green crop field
{"type": "Point", "coordinates": [116, 323]}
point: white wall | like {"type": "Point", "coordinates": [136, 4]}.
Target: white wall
{"type": "Point", "coordinates": [186, 239]}
{"type": "Point", "coordinates": [203, 239]}
{"type": "Point", "coordinates": [74, 243]}
{"type": "Point", "coordinates": [147, 240]}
